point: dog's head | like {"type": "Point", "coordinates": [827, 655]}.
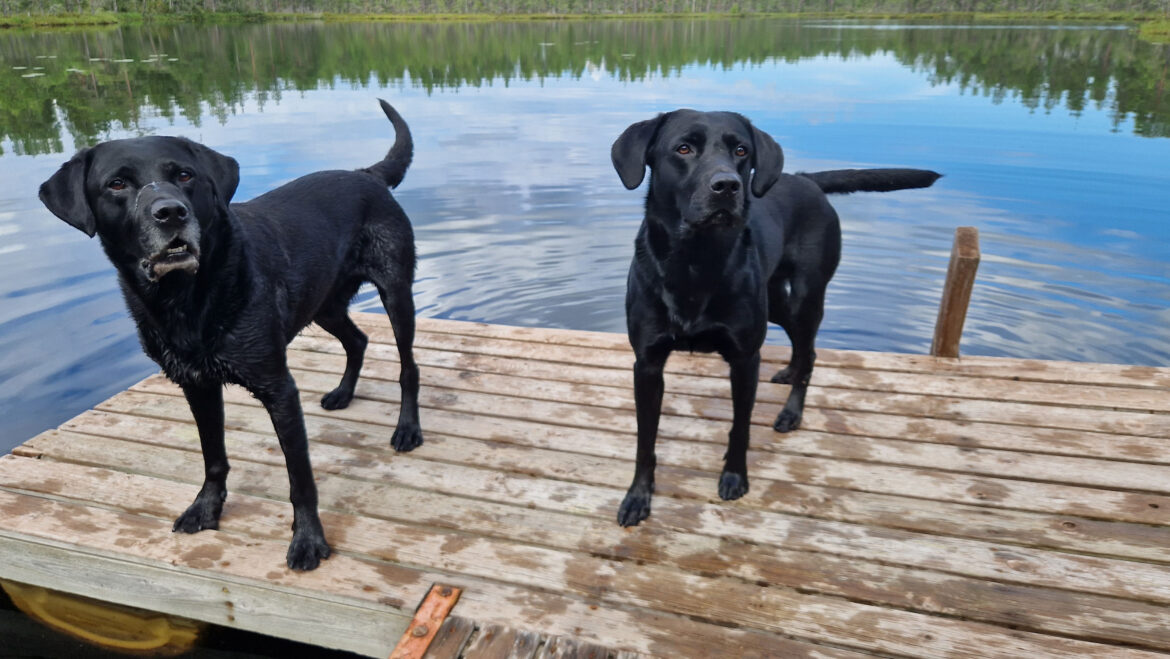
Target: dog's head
{"type": "Point", "coordinates": [699, 164]}
{"type": "Point", "coordinates": [149, 199]}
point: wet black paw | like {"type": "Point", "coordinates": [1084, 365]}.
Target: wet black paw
{"type": "Point", "coordinates": [787, 421]}
{"type": "Point", "coordinates": [635, 507]}
{"type": "Point", "coordinates": [407, 437]}
{"type": "Point", "coordinates": [198, 516]}
{"type": "Point", "coordinates": [732, 485]}
{"type": "Point", "coordinates": [307, 550]}
{"type": "Point", "coordinates": [337, 399]}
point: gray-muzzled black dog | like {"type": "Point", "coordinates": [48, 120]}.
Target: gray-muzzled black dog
{"type": "Point", "coordinates": [218, 290]}
{"type": "Point", "coordinates": [714, 264]}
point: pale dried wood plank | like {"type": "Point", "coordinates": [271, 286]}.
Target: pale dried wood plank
{"type": "Point", "coordinates": [1001, 367]}
{"type": "Point", "coordinates": [364, 579]}
{"type": "Point", "coordinates": [944, 407]}
{"type": "Point", "coordinates": [1012, 464]}
{"type": "Point", "coordinates": [499, 642]}
{"type": "Point", "coordinates": [963, 433]}
{"type": "Point", "coordinates": [1023, 495]}
{"type": "Point", "coordinates": [715, 384]}
{"type": "Point", "coordinates": [968, 557]}
{"type": "Point", "coordinates": [1091, 615]}
{"type": "Point", "coordinates": [451, 639]}
{"type": "Point", "coordinates": [656, 587]}
{"type": "Point", "coordinates": [1141, 541]}
{"type": "Point", "coordinates": [567, 648]}
{"type": "Point", "coordinates": [134, 560]}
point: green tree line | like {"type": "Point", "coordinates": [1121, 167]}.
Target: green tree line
{"type": "Point", "coordinates": [587, 7]}
{"type": "Point", "coordinates": [91, 82]}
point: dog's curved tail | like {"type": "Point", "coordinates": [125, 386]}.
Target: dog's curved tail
{"type": "Point", "coordinates": [393, 167]}
{"type": "Point", "coordinates": [844, 181]}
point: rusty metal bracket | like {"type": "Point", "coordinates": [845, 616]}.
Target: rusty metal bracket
{"type": "Point", "coordinates": [427, 620]}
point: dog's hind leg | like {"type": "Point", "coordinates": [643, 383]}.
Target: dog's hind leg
{"type": "Point", "coordinates": [336, 321]}
{"type": "Point", "coordinates": [801, 314]}
{"type": "Point", "coordinates": [207, 407]}
{"type": "Point", "coordinates": [398, 300]}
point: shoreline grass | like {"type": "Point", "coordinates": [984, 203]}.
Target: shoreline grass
{"type": "Point", "coordinates": [1152, 26]}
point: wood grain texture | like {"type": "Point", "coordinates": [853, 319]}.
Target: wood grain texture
{"type": "Point", "coordinates": [956, 294]}
{"type": "Point", "coordinates": [929, 507]}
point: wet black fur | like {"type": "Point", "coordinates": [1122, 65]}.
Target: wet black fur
{"type": "Point", "coordinates": [266, 268]}
{"type": "Point", "coordinates": [714, 264]}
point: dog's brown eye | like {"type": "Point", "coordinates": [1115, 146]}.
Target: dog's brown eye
{"type": "Point", "coordinates": [116, 184]}
{"type": "Point", "coordinates": [184, 176]}
{"type": "Point", "coordinates": [741, 151]}
{"type": "Point", "coordinates": [683, 149]}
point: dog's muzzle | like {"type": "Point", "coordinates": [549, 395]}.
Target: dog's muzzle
{"type": "Point", "coordinates": [171, 232]}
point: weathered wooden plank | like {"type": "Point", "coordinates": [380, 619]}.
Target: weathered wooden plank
{"type": "Point", "coordinates": [1140, 541]}
{"type": "Point", "coordinates": [371, 580]}
{"type": "Point", "coordinates": [451, 638]}
{"type": "Point", "coordinates": [128, 559]}
{"type": "Point", "coordinates": [499, 642]}
{"type": "Point", "coordinates": [567, 648]}
{"type": "Point", "coordinates": [659, 588]}
{"type": "Point", "coordinates": [952, 309]}
{"type": "Point", "coordinates": [715, 384]}
{"type": "Point", "coordinates": [1024, 495]}
{"type": "Point", "coordinates": [1013, 464]}
{"type": "Point", "coordinates": [972, 558]}
{"type": "Point", "coordinates": [950, 407]}
{"type": "Point", "coordinates": [1002, 367]}
{"type": "Point", "coordinates": [1088, 615]}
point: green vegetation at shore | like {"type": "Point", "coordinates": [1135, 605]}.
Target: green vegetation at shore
{"type": "Point", "coordinates": [1156, 31]}
{"type": "Point", "coordinates": [35, 13]}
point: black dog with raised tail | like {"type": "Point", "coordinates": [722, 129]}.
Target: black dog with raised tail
{"type": "Point", "coordinates": [714, 264]}
{"type": "Point", "coordinates": [218, 291]}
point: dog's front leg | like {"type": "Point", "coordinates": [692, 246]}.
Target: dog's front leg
{"type": "Point", "coordinates": [648, 386]}
{"type": "Point", "coordinates": [206, 404]}
{"type": "Point", "coordinates": [745, 374]}
{"type": "Point", "coordinates": [281, 399]}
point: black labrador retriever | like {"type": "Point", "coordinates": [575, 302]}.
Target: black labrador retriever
{"type": "Point", "coordinates": [218, 291]}
{"type": "Point", "coordinates": [713, 265]}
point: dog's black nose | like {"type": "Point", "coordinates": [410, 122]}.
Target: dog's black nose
{"type": "Point", "coordinates": [725, 183]}
{"type": "Point", "coordinates": [169, 211]}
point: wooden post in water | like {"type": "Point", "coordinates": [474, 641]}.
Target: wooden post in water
{"type": "Point", "coordinates": [952, 310]}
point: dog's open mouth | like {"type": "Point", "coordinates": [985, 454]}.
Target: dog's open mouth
{"type": "Point", "coordinates": [177, 256]}
{"type": "Point", "coordinates": [718, 218]}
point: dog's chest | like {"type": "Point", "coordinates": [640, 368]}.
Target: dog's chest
{"type": "Point", "coordinates": [187, 360]}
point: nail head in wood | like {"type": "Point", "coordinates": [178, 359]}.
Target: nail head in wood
{"type": "Point", "coordinates": [952, 309]}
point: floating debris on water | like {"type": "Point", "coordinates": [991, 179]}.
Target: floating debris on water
{"type": "Point", "coordinates": [172, 59]}
{"type": "Point", "coordinates": [46, 57]}
{"type": "Point", "coordinates": [98, 59]}
{"type": "Point", "coordinates": [32, 75]}
{"type": "Point", "coordinates": [122, 61]}
{"type": "Point", "coordinates": [73, 70]}
{"type": "Point", "coordinates": [20, 68]}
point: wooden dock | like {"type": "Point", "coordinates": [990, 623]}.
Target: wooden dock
{"type": "Point", "coordinates": [928, 507]}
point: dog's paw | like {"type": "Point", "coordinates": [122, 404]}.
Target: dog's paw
{"type": "Point", "coordinates": [783, 376]}
{"type": "Point", "coordinates": [732, 485]}
{"type": "Point", "coordinates": [635, 507]}
{"type": "Point", "coordinates": [407, 437]}
{"type": "Point", "coordinates": [787, 421]}
{"type": "Point", "coordinates": [198, 516]}
{"type": "Point", "coordinates": [307, 550]}
{"type": "Point", "coordinates": [337, 399]}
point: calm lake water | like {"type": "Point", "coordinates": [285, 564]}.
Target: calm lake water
{"type": "Point", "coordinates": [1053, 141]}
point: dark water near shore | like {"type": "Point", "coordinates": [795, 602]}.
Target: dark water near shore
{"type": "Point", "coordinates": [1053, 141]}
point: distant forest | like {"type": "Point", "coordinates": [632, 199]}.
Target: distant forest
{"type": "Point", "coordinates": [592, 7]}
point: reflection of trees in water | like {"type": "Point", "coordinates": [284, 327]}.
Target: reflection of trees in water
{"type": "Point", "coordinates": [194, 70]}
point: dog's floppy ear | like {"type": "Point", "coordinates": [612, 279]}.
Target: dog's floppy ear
{"type": "Point", "coordinates": [629, 151]}
{"type": "Point", "coordinates": [767, 160]}
{"type": "Point", "coordinates": [223, 170]}
{"type": "Point", "coordinates": [64, 194]}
